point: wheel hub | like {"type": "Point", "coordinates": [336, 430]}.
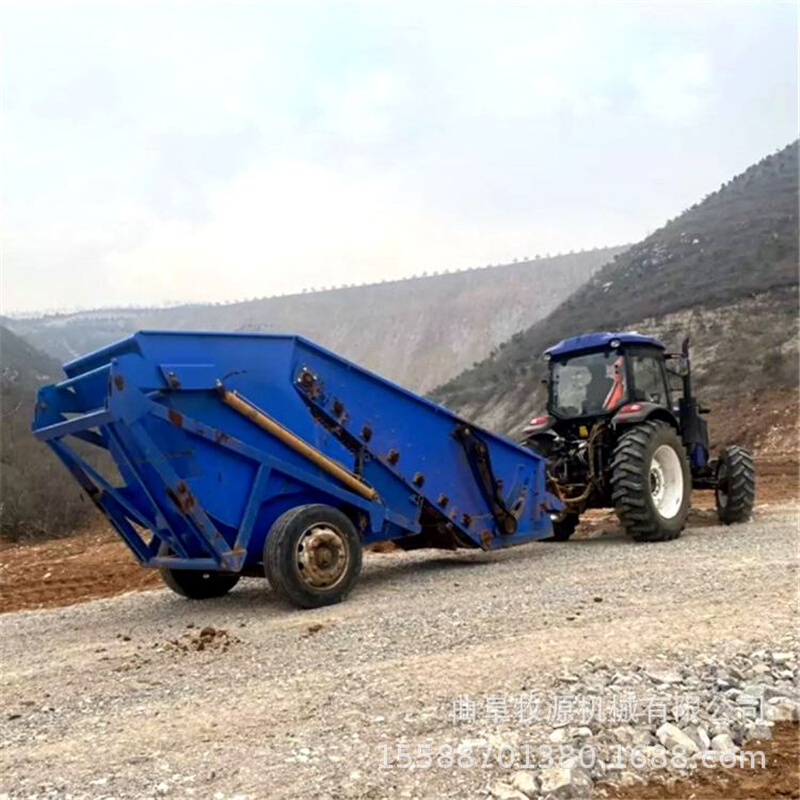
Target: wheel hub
{"type": "Point", "coordinates": [322, 556]}
{"type": "Point", "coordinates": [666, 481]}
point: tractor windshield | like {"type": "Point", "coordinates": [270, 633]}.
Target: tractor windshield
{"type": "Point", "coordinates": [588, 384]}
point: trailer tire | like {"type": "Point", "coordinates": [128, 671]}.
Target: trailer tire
{"type": "Point", "coordinates": [651, 482]}
{"type": "Point", "coordinates": [735, 492]}
{"type": "Point", "coordinates": [196, 584]}
{"type": "Point", "coordinates": [312, 556]}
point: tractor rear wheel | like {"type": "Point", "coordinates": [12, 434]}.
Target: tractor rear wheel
{"type": "Point", "coordinates": [736, 485]}
{"type": "Point", "coordinates": [312, 556]}
{"type": "Point", "coordinates": [651, 482]}
{"type": "Point", "coordinates": [196, 584]}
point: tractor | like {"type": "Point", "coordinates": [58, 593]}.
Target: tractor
{"type": "Point", "coordinates": [623, 430]}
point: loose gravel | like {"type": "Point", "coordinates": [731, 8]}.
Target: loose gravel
{"type": "Point", "coordinates": [116, 698]}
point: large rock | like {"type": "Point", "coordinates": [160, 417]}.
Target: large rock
{"type": "Point", "coordinates": [723, 743]}
{"type": "Point", "coordinates": [565, 784]}
{"type": "Point", "coordinates": [667, 676]}
{"type": "Point", "coordinates": [698, 734]}
{"type": "Point", "coordinates": [782, 709]}
{"type": "Point", "coordinates": [672, 737]}
{"type": "Point", "coordinates": [504, 791]}
{"type": "Point", "coordinates": [524, 781]}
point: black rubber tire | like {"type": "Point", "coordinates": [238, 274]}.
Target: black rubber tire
{"type": "Point", "coordinates": [565, 527]}
{"type": "Point", "coordinates": [736, 488]}
{"type": "Point", "coordinates": [282, 561]}
{"type": "Point", "coordinates": [196, 584]}
{"type": "Point", "coordinates": [630, 482]}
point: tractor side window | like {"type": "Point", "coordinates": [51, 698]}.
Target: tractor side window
{"type": "Point", "coordinates": [648, 380]}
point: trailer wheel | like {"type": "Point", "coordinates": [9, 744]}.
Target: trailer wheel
{"type": "Point", "coordinates": [651, 482]}
{"type": "Point", "coordinates": [196, 584]}
{"type": "Point", "coordinates": [736, 485]}
{"type": "Point", "coordinates": [312, 556]}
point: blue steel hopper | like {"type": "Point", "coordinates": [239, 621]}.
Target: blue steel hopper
{"type": "Point", "coordinates": [243, 454]}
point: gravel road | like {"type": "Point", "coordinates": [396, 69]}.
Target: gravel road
{"type": "Point", "coordinates": [125, 697]}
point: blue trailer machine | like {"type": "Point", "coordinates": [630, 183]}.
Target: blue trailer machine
{"type": "Point", "coordinates": [241, 454]}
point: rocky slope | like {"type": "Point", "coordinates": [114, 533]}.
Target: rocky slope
{"type": "Point", "coordinates": [419, 332]}
{"type": "Point", "coordinates": [725, 272]}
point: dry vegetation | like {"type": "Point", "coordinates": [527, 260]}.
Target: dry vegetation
{"type": "Point", "coordinates": [38, 497]}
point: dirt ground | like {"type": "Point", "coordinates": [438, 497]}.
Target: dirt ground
{"type": "Point", "coordinates": [147, 695]}
{"type": "Point", "coordinates": [780, 778]}
{"type": "Point", "coordinates": [96, 563]}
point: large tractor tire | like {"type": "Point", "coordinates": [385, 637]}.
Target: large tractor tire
{"type": "Point", "coordinates": [651, 482]}
{"type": "Point", "coordinates": [312, 556]}
{"type": "Point", "coordinates": [196, 584]}
{"type": "Point", "coordinates": [736, 485]}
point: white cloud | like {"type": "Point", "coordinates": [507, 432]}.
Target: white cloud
{"type": "Point", "coordinates": [674, 86]}
{"type": "Point", "coordinates": [221, 150]}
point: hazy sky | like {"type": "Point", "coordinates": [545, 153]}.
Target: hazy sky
{"type": "Point", "coordinates": [209, 151]}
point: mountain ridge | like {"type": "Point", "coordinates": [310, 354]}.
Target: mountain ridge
{"type": "Point", "coordinates": [738, 243]}
{"type": "Point", "coordinates": [418, 332]}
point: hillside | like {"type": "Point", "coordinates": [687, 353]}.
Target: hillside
{"type": "Point", "coordinates": [420, 331]}
{"type": "Point", "coordinates": [22, 366]}
{"type": "Point", "coordinates": [37, 495]}
{"type": "Point", "coordinates": [725, 271]}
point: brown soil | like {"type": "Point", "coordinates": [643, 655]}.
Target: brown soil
{"type": "Point", "coordinates": [60, 572]}
{"type": "Point", "coordinates": [96, 563]}
{"type": "Point", "coordinates": [780, 778]}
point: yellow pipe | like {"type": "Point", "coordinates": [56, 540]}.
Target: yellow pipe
{"type": "Point", "coordinates": [246, 409]}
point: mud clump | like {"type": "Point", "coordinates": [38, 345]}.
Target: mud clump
{"type": "Point", "coordinates": [207, 638]}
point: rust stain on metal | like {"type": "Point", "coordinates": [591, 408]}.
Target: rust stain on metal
{"type": "Point", "coordinates": [466, 520]}
{"type": "Point", "coordinates": [443, 500]}
{"type": "Point", "coordinates": [418, 479]}
{"type": "Point", "coordinates": [119, 382]}
{"type": "Point", "coordinates": [486, 539]}
{"type": "Point", "coordinates": [338, 408]}
{"type": "Point", "coordinates": [308, 382]}
{"type": "Point", "coordinates": [175, 417]}
{"type": "Point", "coordinates": [173, 381]}
{"type": "Point", "coordinates": [184, 499]}
{"type": "Point", "coordinates": [366, 433]}
{"type": "Point", "coordinates": [393, 456]}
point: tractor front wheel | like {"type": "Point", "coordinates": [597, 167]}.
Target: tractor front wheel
{"type": "Point", "coordinates": [651, 482]}
{"type": "Point", "coordinates": [312, 556]}
{"type": "Point", "coordinates": [736, 485]}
